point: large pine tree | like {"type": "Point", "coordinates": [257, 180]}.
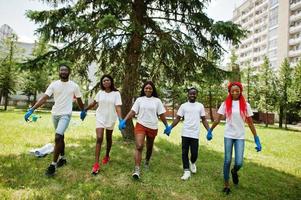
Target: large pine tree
{"type": "Point", "coordinates": [129, 37]}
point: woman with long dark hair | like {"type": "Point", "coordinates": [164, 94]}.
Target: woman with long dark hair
{"type": "Point", "coordinates": [147, 108]}
{"type": "Point", "coordinates": [109, 104]}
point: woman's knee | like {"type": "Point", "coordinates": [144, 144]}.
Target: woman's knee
{"type": "Point", "coordinates": [139, 147]}
{"type": "Point", "coordinates": [99, 139]}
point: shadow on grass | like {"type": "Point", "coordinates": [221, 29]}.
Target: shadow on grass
{"type": "Point", "coordinates": [22, 176]}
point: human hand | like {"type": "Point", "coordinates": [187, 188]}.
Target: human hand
{"type": "Point", "coordinates": [28, 113]}
{"type": "Point", "coordinates": [209, 134]}
{"type": "Point", "coordinates": [167, 130]}
{"type": "Point", "coordinates": [122, 124]}
{"type": "Point", "coordinates": [83, 114]}
{"type": "Point", "coordinates": [257, 142]}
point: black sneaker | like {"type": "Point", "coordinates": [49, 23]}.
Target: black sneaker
{"type": "Point", "coordinates": [226, 190]}
{"type": "Point", "coordinates": [61, 162]}
{"type": "Point", "coordinates": [234, 176]}
{"type": "Point", "coordinates": [50, 170]}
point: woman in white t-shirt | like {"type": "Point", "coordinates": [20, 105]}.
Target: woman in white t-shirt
{"type": "Point", "coordinates": [147, 108]}
{"type": "Point", "coordinates": [109, 104]}
{"type": "Point", "coordinates": [237, 111]}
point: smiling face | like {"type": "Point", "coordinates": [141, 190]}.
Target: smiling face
{"type": "Point", "coordinates": [106, 83]}
{"type": "Point", "coordinates": [148, 90]}
{"type": "Point", "coordinates": [64, 73]}
{"type": "Point", "coordinates": [192, 94]}
{"type": "Point", "coordinates": [235, 92]}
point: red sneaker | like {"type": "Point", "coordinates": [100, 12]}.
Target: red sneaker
{"type": "Point", "coordinates": [105, 160]}
{"type": "Point", "coordinates": [95, 169]}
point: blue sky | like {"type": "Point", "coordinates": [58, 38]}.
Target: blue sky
{"type": "Point", "coordinates": [12, 12]}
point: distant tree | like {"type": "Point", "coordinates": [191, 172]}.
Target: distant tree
{"type": "Point", "coordinates": [285, 81]}
{"type": "Point", "coordinates": [234, 67]}
{"type": "Point", "coordinates": [8, 68]}
{"type": "Point", "coordinates": [250, 80]}
{"type": "Point", "coordinates": [295, 93]}
{"type": "Point", "coordinates": [36, 78]}
{"type": "Point", "coordinates": [266, 89]}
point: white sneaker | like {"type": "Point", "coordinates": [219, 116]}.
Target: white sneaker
{"type": "Point", "coordinates": [136, 174]}
{"type": "Point", "coordinates": [186, 175]}
{"type": "Point", "coordinates": [193, 168]}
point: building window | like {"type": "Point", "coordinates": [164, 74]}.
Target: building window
{"type": "Point", "coordinates": [273, 2]}
{"type": "Point", "coordinates": [272, 43]}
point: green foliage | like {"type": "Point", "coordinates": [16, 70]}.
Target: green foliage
{"type": "Point", "coordinates": [8, 67]}
{"type": "Point", "coordinates": [135, 40]}
{"type": "Point", "coordinates": [36, 77]}
{"type": "Point", "coordinates": [250, 80]}
{"type": "Point", "coordinates": [266, 87]}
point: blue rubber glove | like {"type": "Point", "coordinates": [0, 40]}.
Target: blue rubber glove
{"type": "Point", "coordinates": [83, 114]}
{"type": "Point", "coordinates": [28, 113]}
{"type": "Point", "coordinates": [167, 130]}
{"type": "Point", "coordinates": [122, 124]}
{"type": "Point", "coordinates": [257, 142]}
{"type": "Point", "coordinates": [209, 134]}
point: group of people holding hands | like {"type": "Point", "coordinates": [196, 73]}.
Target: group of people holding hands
{"type": "Point", "coordinates": [147, 108]}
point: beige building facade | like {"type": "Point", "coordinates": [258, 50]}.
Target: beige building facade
{"type": "Point", "coordinates": [274, 31]}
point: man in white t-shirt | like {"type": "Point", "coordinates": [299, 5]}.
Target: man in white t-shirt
{"type": "Point", "coordinates": [63, 92]}
{"type": "Point", "coordinates": [192, 112]}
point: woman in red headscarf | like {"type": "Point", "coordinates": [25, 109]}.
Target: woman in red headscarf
{"type": "Point", "coordinates": [237, 111]}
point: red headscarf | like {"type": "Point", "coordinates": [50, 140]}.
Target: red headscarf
{"type": "Point", "coordinates": [242, 101]}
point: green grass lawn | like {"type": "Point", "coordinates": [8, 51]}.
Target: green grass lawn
{"type": "Point", "coordinates": [274, 173]}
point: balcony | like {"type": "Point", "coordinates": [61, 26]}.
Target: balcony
{"type": "Point", "coordinates": [295, 6]}
{"type": "Point", "coordinates": [294, 53]}
{"type": "Point", "coordinates": [294, 41]}
{"type": "Point", "coordinates": [295, 29]}
{"type": "Point", "coordinates": [295, 17]}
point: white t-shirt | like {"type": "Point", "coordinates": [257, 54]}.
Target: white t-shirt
{"type": "Point", "coordinates": [235, 127]}
{"type": "Point", "coordinates": [147, 110]}
{"type": "Point", "coordinates": [106, 112]}
{"type": "Point", "coordinates": [63, 94]}
{"type": "Point", "coordinates": [192, 113]}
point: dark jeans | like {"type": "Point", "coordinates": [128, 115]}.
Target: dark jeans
{"type": "Point", "coordinates": [193, 144]}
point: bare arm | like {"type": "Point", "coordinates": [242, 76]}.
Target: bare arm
{"type": "Point", "coordinates": [163, 119]}
{"type": "Point", "coordinates": [118, 111]}
{"type": "Point", "coordinates": [216, 121]}
{"type": "Point", "coordinates": [40, 102]}
{"type": "Point", "coordinates": [91, 105]}
{"type": "Point", "coordinates": [205, 123]}
{"type": "Point", "coordinates": [176, 121]}
{"type": "Point", "coordinates": [130, 115]}
{"type": "Point", "coordinates": [80, 103]}
{"type": "Point", "coordinates": [251, 125]}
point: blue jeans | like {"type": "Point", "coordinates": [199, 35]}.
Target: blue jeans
{"type": "Point", "coordinates": [239, 146]}
{"type": "Point", "coordinates": [61, 123]}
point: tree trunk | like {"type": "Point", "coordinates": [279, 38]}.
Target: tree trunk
{"type": "Point", "coordinates": [173, 107]}
{"type": "Point", "coordinates": [280, 116]}
{"type": "Point", "coordinates": [5, 100]}
{"type": "Point", "coordinates": [210, 105]}
{"type": "Point", "coordinates": [132, 63]}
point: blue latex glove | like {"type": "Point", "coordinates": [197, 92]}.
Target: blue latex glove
{"type": "Point", "coordinates": [167, 130]}
{"type": "Point", "coordinates": [28, 113]}
{"type": "Point", "coordinates": [257, 142]}
{"type": "Point", "coordinates": [209, 134]}
{"type": "Point", "coordinates": [122, 124]}
{"type": "Point", "coordinates": [83, 114]}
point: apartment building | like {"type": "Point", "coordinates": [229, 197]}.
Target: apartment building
{"type": "Point", "coordinates": [274, 31]}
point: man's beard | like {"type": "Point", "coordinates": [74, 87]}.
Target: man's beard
{"type": "Point", "coordinates": [64, 76]}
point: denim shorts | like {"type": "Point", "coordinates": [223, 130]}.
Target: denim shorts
{"type": "Point", "coordinates": [61, 123]}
